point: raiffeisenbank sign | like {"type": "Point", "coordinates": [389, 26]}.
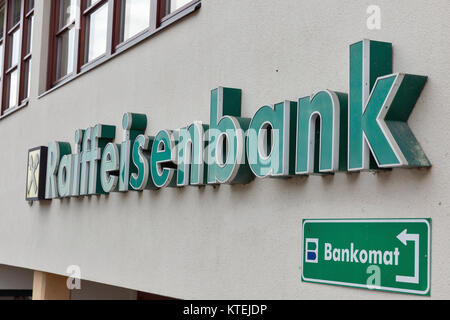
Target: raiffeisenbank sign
{"type": "Point", "coordinates": [323, 133]}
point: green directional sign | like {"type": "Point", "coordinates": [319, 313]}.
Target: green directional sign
{"type": "Point", "coordinates": [379, 254]}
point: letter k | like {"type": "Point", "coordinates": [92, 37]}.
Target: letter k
{"type": "Point", "coordinates": [380, 104]}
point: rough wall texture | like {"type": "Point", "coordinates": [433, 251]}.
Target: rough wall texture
{"type": "Point", "coordinates": [231, 241]}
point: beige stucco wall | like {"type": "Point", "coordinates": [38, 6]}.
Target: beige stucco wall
{"type": "Point", "coordinates": [231, 241]}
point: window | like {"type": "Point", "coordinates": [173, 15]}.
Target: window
{"type": "Point", "coordinates": [135, 17]}
{"type": "Point", "coordinates": [174, 5]}
{"type": "Point", "coordinates": [95, 24]}
{"type": "Point", "coordinates": [65, 38]}
{"type": "Point", "coordinates": [85, 36]}
{"type": "Point", "coordinates": [16, 29]}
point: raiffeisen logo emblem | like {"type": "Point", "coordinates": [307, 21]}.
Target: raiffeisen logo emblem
{"type": "Point", "coordinates": [325, 133]}
{"type": "Point", "coordinates": [36, 174]}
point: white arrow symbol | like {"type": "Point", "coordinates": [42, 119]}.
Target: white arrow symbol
{"type": "Point", "coordinates": [404, 237]}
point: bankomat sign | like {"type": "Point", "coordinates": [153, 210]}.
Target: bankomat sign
{"type": "Point", "coordinates": [392, 255]}
{"type": "Point", "coordinates": [324, 133]}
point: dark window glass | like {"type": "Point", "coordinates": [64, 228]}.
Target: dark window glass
{"type": "Point", "coordinates": [30, 5]}
{"type": "Point", "coordinates": [15, 8]}
{"type": "Point", "coordinates": [29, 35]}
{"type": "Point", "coordinates": [2, 21]}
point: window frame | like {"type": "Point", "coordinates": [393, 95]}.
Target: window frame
{"type": "Point", "coordinates": [158, 21]}
{"type": "Point", "coordinates": [163, 9]}
{"type": "Point", "coordinates": [26, 56]}
{"type": "Point", "coordinates": [86, 13]}
{"type": "Point", "coordinates": [23, 57]}
{"type": "Point", "coordinates": [57, 32]}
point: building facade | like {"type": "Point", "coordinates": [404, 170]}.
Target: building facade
{"type": "Point", "coordinates": [68, 66]}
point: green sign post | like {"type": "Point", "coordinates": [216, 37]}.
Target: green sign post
{"type": "Point", "coordinates": [379, 254]}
